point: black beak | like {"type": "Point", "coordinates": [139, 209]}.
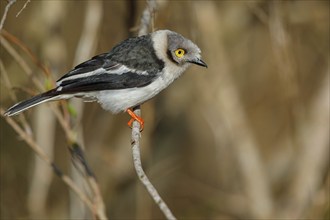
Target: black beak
{"type": "Point", "coordinates": [199, 62]}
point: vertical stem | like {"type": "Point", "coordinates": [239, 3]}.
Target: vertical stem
{"type": "Point", "coordinates": [146, 21]}
{"type": "Point", "coordinates": [139, 170]}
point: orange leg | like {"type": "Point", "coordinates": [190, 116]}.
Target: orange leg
{"type": "Point", "coordinates": [135, 118]}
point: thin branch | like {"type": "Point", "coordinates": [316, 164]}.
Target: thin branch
{"type": "Point", "coordinates": [24, 6]}
{"type": "Point", "coordinates": [147, 17]}
{"type": "Point", "coordinates": [146, 21]}
{"type": "Point", "coordinates": [6, 80]}
{"type": "Point", "coordinates": [8, 85]}
{"type": "Point", "coordinates": [95, 209]}
{"type": "Point", "coordinates": [4, 37]}
{"type": "Point", "coordinates": [39, 151]}
{"type": "Point", "coordinates": [3, 19]}
{"type": "Point", "coordinates": [140, 172]}
{"type": "Point", "coordinates": [26, 69]}
{"type": "Point", "coordinates": [81, 165]}
{"type": "Point", "coordinates": [23, 64]}
{"type": "Point", "coordinates": [97, 198]}
{"type": "Point", "coordinates": [28, 51]}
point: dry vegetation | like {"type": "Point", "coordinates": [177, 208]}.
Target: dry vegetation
{"type": "Point", "coordinates": [246, 138]}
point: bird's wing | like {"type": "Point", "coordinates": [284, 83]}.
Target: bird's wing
{"type": "Point", "coordinates": [101, 73]}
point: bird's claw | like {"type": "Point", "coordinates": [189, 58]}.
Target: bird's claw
{"type": "Point", "coordinates": [135, 118]}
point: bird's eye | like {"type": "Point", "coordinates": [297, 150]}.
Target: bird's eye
{"type": "Point", "coordinates": [179, 52]}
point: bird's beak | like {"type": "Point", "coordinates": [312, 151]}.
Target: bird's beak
{"type": "Point", "coordinates": [199, 62]}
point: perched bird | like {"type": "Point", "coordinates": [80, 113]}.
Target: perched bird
{"type": "Point", "coordinates": [133, 72]}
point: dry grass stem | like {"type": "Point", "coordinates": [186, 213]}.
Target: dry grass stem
{"type": "Point", "coordinates": [9, 86]}
{"type": "Point", "coordinates": [22, 9]}
{"type": "Point", "coordinates": [39, 151]}
{"type": "Point", "coordinates": [4, 16]}
{"type": "Point", "coordinates": [28, 51]}
{"type": "Point", "coordinates": [23, 64]}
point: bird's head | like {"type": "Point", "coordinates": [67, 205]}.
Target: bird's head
{"type": "Point", "coordinates": [179, 50]}
{"type": "Point", "coordinates": [182, 50]}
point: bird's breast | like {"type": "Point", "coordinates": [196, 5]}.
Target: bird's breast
{"type": "Point", "coordinates": [122, 99]}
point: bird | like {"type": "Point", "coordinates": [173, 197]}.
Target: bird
{"type": "Point", "coordinates": [133, 72]}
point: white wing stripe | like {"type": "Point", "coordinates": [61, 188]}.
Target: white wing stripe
{"type": "Point", "coordinates": [124, 69]}
{"type": "Point", "coordinates": [81, 75]}
{"type": "Point", "coordinates": [113, 70]}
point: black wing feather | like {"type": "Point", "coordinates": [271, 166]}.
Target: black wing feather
{"type": "Point", "coordinates": [94, 63]}
{"type": "Point", "coordinates": [26, 104]}
{"type": "Point", "coordinates": [106, 82]}
{"type": "Point", "coordinates": [137, 54]}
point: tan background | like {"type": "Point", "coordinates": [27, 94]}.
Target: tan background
{"type": "Point", "coordinates": [246, 138]}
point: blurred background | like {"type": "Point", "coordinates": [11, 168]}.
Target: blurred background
{"type": "Point", "coordinates": [247, 138]}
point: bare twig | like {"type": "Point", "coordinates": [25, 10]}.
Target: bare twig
{"type": "Point", "coordinates": [24, 6]}
{"type": "Point", "coordinates": [66, 179]}
{"type": "Point", "coordinates": [81, 165]}
{"type": "Point", "coordinates": [8, 85]}
{"type": "Point", "coordinates": [6, 80]}
{"type": "Point", "coordinates": [23, 64]}
{"type": "Point", "coordinates": [97, 198]}
{"type": "Point", "coordinates": [4, 16]}
{"type": "Point", "coordinates": [146, 20]}
{"type": "Point", "coordinates": [39, 151]}
{"type": "Point", "coordinates": [141, 174]}
{"type": "Point", "coordinates": [28, 71]}
{"type": "Point", "coordinates": [27, 50]}
{"type": "Point", "coordinates": [4, 37]}
{"type": "Point", "coordinates": [147, 17]}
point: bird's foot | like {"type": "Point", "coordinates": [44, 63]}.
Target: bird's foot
{"type": "Point", "coordinates": [135, 118]}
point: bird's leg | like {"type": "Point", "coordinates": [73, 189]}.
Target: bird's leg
{"type": "Point", "coordinates": [136, 118]}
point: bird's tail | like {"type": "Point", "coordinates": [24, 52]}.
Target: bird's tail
{"type": "Point", "coordinates": [36, 100]}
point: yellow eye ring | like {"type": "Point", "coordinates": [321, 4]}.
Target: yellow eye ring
{"type": "Point", "coordinates": [179, 52]}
